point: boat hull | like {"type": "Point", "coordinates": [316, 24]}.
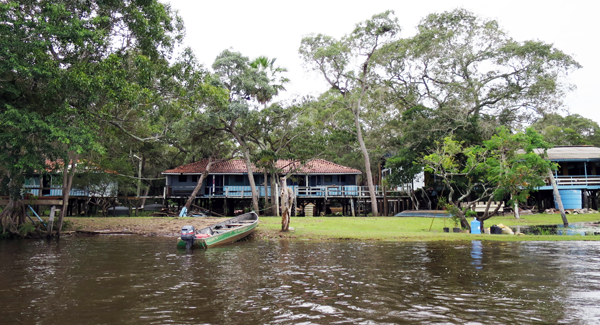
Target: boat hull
{"type": "Point", "coordinates": [224, 237]}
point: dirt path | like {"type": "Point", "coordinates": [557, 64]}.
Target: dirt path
{"type": "Point", "coordinates": [169, 227]}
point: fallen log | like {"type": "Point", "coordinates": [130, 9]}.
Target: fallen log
{"type": "Point", "coordinates": [206, 211]}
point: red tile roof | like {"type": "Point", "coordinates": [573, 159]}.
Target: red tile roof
{"type": "Point", "coordinates": [238, 166]}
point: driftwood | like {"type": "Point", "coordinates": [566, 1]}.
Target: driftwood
{"type": "Point", "coordinates": [206, 211]}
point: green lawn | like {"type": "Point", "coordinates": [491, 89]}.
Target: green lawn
{"type": "Point", "coordinates": [413, 228]}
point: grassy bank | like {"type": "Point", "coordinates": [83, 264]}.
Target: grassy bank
{"type": "Point", "coordinates": [335, 228]}
{"type": "Point", "coordinates": [410, 229]}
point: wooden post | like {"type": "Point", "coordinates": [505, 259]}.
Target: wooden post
{"type": "Point", "coordinates": [585, 199]}
{"type": "Point", "coordinates": [277, 199]}
{"type": "Point", "coordinates": [352, 207]}
{"type": "Point", "coordinates": [517, 216]}
{"type": "Point", "coordinates": [51, 222]}
{"type": "Point", "coordinates": [558, 199]}
{"type": "Point", "coordinates": [296, 202]}
{"type": "Point", "coordinates": [386, 211]}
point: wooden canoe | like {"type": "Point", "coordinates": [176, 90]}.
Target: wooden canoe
{"type": "Point", "coordinates": [225, 232]}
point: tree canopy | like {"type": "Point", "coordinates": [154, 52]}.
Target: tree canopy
{"type": "Point", "coordinates": [107, 83]}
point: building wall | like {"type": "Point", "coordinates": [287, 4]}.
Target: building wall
{"type": "Point", "coordinates": [242, 180]}
{"type": "Point", "coordinates": [327, 180]}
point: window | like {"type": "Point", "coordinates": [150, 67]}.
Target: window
{"type": "Point", "coordinates": [576, 168]}
{"type": "Point", "coordinates": [195, 178]}
{"type": "Point", "coordinates": [182, 178]}
{"type": "Point", "coordinates": [593, 168]}
{"type": "Point", "coordinates": [239, 178]}
{"type": "Point", "coordinates": [327, 179]}
{"type": "Point", "coordinates": [343, 178]}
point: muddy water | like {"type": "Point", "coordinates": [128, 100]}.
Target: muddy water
{"type": "Point", "coordinates": [137, 280]}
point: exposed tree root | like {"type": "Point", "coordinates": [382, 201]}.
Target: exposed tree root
{"type": "Point", "coordinates": [13, 216]}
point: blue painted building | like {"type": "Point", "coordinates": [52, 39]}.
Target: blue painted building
{"type": "Point", "coordinates": [229, 178]}
{"type": "Point", "coordinates": [577, 177]}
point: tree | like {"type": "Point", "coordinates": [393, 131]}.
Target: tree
{"type": "Point", "coordinates": [208, 142]}
{"type": "Point", "coordinates": [348, 66]}
{"type": "Point", "coordinates": [570, 130]}
{"type": "Point", "coordinates": [275, 75]}
{"type": "Point", "coordinates": [508, 165]}
{"type": "Point", "coordinates": [55, 60]}
{"type": "Point", "coordinates": [244, 84]}
{"type": "Point", "coordinates": [290, 133]}
{"type": "Point", "coordinates": [459, 167]}
{"type": "Point", "coordinates": [469, 77]}
{"type": "Point", "coordinates": [516, 165]}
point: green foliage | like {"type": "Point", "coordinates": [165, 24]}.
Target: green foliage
{"type": "Point", "coordinates": [569, 130]}
{"type": "Point", "coordinates": [350, 68]}
{"type": "Point", "coordinates": [463, 76]}
{"type": "Point", "coordinates": [67, 72]}
{"type": "Point", "coordinates": [454, 213]}
{"type": "Point", "coordinates": [508, 165]}
{"type": "Point", "coordinates": [516, 163]}
{"type": "Point", "coordinates": [26, 229]}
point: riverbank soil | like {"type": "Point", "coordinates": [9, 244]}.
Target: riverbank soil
{"type": "Point", "coordinates": [147, 226]}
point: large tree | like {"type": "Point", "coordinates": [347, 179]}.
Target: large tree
{"type": "Point", "coordinates": [508, 167]}
{"type": "Point", "coordinates": [463, 75]}
{"type": "Point", "coordinates": [247, 87]}
{"type": "Point", "coordinates": [568, 130]}
{"type": "Point", "coordinates": [348, 65]}
{"type": "Point", "coordinates": [57, 57]}
{"type": "Point", "coordinates": [290, 133]}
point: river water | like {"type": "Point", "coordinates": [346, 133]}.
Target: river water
{"type": "Point", "coordinates": [139, 280]}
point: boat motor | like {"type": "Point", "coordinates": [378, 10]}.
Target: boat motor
{"type": "Point", "coordinates": [188, 234]}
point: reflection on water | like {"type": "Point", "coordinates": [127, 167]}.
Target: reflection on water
{"type": "Point", "coordinates": [574, 229]}
{"type": "Point", "coordinates": [146, 280]}
{"type": "Point", "coordinates": [476, 254]}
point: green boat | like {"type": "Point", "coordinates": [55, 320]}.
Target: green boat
{"type": "Point", "coordinates": [224, 232]}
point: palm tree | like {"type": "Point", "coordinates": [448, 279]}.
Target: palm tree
{"type": "Point", "coordinates": [276, 80]}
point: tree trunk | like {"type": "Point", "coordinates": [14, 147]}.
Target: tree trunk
{"type": "Point", "coordinates": [266, 176]}
{"type": "Point", "coordinates": [251, 181]}
{"type": "Point", "coordinates": [190, 200]}
{"type": "Point", "coordinates": [68, 174]}
{"type": "Point", "coordinates": [274, 196]}
{"type": "Point", "coordinates": [146, 190]}
{"type": "Point", "coordinates": [246, 152]}
{"type": "Point", "coordinates": [13, 214]}
{"type": "Point", "coordinates": [367, 160]}
{"type": "Point", "coordinates": [558, 199]}
{"type": "Point", "coordinates": [287, 199]}
{"type": "Point", "coordinates": [464, 223]}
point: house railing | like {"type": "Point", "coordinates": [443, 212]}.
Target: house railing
{"type": "Point", "coordinates": [52, 191]}
{"type": "Point", "coordinates": [577, 180]}
{"type": "Point", "coordinates": [231, 191]}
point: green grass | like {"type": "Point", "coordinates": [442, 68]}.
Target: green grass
{"type": "Point", "coordinates": [413, 228]}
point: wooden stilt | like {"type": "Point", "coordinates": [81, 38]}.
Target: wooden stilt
{"type": "Point", "coordinates": [50, 222]}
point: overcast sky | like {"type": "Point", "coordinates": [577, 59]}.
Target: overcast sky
{"type": "Point", "coordinates": [275, 29]}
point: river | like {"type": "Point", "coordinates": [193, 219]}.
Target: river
{"type": "Point", "coordinates": [141, 280]}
